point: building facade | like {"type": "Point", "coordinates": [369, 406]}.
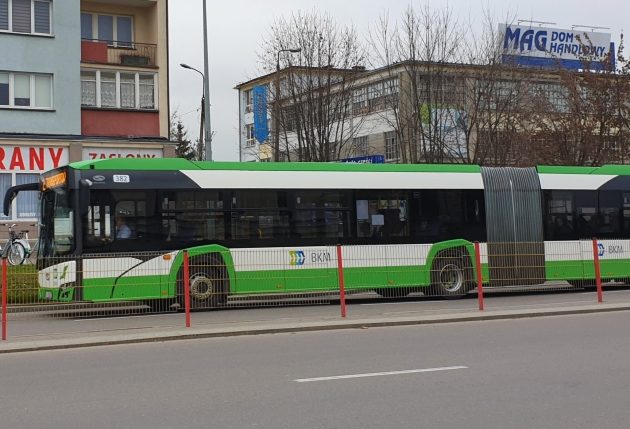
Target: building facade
{"type": "Point", "coordinates": [84, 80]}
{"type": "Point", "coordinates": [419, 112]}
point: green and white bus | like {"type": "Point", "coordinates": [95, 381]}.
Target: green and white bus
{"type": "Point", "coordinates": [268, 228]}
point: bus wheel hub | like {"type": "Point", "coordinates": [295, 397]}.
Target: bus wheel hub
{"type": "Point", "coordinates": [200, 287]}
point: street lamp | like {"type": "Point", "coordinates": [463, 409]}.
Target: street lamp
{"type": "Point", "coordinates": [203, 125]}
{"type": "Point", "coordinates": [276, 147]}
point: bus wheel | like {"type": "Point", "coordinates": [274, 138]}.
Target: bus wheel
{"type": "Point", "coordinates": [208, 284]}
{"type": "Point", "coordinates": [449, 277]}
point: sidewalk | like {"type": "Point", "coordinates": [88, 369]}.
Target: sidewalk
{"type": "Point", "coordinates": [278, 320]}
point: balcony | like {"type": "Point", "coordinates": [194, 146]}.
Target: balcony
{"type": "Point", "coordinates": [130, 54]}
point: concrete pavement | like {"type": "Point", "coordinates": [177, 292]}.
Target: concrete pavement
{"type": "Point", "coordinates": [281, 320]}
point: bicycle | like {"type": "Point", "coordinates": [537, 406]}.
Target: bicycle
{"type": "Point", "coordinates": [18, 248]}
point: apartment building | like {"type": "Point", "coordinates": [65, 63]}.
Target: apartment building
{"type": "Point", "coordinates": [79, 80]}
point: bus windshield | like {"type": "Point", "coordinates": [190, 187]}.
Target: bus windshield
{"type": "Point", "coordinates": [57, 229]}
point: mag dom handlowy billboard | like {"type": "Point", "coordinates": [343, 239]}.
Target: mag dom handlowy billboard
{"type": "Point", "coordinates": [553, 47]}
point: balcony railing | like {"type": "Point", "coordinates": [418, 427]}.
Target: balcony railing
{"type": "Point", "coordinates": [120, 53]}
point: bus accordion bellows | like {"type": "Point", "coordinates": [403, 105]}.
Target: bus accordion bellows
{"type": "Point", "coordinates": [115, 229]}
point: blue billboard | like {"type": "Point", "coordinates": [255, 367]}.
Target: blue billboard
{"type": "Point", "coordinates": [261, 127]}
{"type": "Point", "coordinates": [368, 159]}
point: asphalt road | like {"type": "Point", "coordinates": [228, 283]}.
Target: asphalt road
{"type": "Point", "coordinates": [555, 372]}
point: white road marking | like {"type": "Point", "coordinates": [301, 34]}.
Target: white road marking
{"type": "Point", "coordinates": [378, 374]}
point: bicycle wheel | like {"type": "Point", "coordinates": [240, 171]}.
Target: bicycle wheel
{"type": "Point", "coordinates": [16, 253]}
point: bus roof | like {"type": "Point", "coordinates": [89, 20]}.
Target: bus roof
{"type": "Point", "coordinates": [171, 164]}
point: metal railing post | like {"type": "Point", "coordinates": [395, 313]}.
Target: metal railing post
{"type": "Point", "coordinates": [342, 288]}
{"type": "Point", "coordinates": [187, 288]}
{"type": "Point", "coordinates": [479, 276]}
{"type": "Point", "coordinates": [598, 274]}
{"type": "Point", "coordinates": [5, 288]}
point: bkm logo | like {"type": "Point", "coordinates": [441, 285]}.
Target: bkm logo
{"type": "Point", "coordinates": [296, 257]}
{"type": "Point", "coordinates": [600, 246]}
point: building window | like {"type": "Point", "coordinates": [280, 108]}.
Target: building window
{"type": "Point", "coordinates": [127, 90]}
{"type": "Point", "coordinates": [118, 90]}
{"type": "Point", "coordinates": [147, 91]}
{"type": "Point", "coordinates": [26, 90]}
{"type": "Point", "coordinates": [360, 145]}
{"type": "Point", "coordinates": [391, 146]}
{"type": "Point", "coordinates": [108, 89]}
{"type": "Point", "coordinates": [4, 89]}
{"type": "Point", "coordinates": [249, 101]}
{"type": "Point", "coordinates": [251, 140]}
{"type": "Point", "coordinates": [26, 203]}
{"type": "Point", "coordinates": [114, 29]}
{"type": "Point", "coordinates": [26, 16]}
{"type": "Point", "coordinates": [88, 88]}
{"type": "Point", "coordinates": [359, 102]}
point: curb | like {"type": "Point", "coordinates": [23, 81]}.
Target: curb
{"type": "Point", "coordinates": [185, 334]}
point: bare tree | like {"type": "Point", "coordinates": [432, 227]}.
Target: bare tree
{"type": "Point", "coordinates": [419, 51]}
{"type": "Point", "coordinates": [496, 101]}
{"type": "Point", "coordinates": [582, 118]}
{"type": "Point", "coordinates": [314, 91]}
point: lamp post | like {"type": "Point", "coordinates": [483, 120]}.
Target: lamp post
{"type": "Point", "coordinates": [204, 126]}
{"type": "Point", "coordinates": [206, 86]}
{"type": "Point", "coordinates": [276, 131]}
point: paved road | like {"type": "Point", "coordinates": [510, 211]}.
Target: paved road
{"type": "Point", "coordinates": [555, 372]}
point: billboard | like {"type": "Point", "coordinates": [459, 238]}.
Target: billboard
{"type": "Point", "coordinates": [261, 129]}
{"type": "Point", "coordinates": [103, 152]}
{"type": "Point", "coordinates": [552, 47]}
{"type": "Point", "coordinates": [367, 159]}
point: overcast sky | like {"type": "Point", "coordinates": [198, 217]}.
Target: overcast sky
{"type": "Point", "coordinates": [236, 28]}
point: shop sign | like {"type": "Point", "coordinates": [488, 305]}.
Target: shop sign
{"type": "Point", "coordinates": [27, 158]}
{"type": "Point", "coordinates": [112, 152]}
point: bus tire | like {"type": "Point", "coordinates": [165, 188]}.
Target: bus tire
{"type": "Point", "coordinates": [450, 276]}
{"type": "Point", "coordinates": [209, 282]}
{"type": "Point", "coordinates": [16, 253]}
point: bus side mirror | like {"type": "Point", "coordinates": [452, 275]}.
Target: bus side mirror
{"type": "Point", "coordinates": [84, 196]}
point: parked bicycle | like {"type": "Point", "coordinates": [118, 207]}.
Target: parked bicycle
{"type": "Point", "coordinates": [17, 248]}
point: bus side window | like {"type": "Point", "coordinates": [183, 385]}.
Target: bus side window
{"type": "Point", "coordinates": [586, 213]}
{"type": "Point", "coordinates": [609, 209]}
{"type": "Point", "coordinates": [559, 215]}
{"type": "Point", "coordinates": [626, 214]}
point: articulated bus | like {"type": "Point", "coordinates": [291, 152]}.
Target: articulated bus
{"type": "Point", "coordinates": [273, 227]}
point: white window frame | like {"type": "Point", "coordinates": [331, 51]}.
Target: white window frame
{"type": "Point", "coordinates": [361, 145]}
{"type": "Point", "coordinates": [249, 101]}
{"type": "Point", "coordinates": [396, 147]}
{"type": "Point", "coordinates": [31, 76]}
{"type": "Point", "coordinates": [114, 42]}
{"type": "Point", "coordinates": [250, 140]}
{"type": "Point", "coordinates": [118, 98]}
{"type": "Point", "coordinates": [33, 32]}
{"type": "Point", "coordinates": [13, 212]}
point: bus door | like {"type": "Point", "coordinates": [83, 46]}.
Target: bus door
{"type": "Point", "coordinates": [116, 258]}
{"type": "Point", "coordinates": [516, 252]}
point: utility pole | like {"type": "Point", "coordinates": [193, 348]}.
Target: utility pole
{"type": "Point", "coordinates": [206, 89]}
